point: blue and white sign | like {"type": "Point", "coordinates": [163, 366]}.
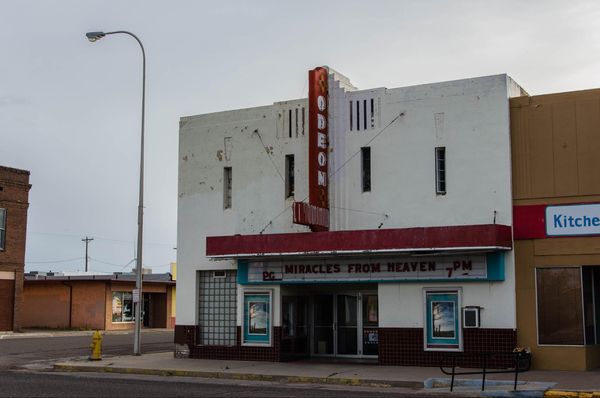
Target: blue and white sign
{"type": "Point", "coordinates": [570, 220]}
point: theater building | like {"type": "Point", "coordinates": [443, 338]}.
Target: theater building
{"type": "Point", "coordinates": [556, 186]}
{"type": "Point", "coordinates": [371, 224]}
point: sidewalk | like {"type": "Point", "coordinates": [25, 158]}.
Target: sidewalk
{"type": "Point", "coordinates": [532, 383]}
{"type": "Point", "coordinates": [39, 333]}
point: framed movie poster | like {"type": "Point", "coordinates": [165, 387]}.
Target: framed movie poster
{"type": "Point", "coordinates": [257, 318]}
{"type": "Point", "coordinates": [442, 326]}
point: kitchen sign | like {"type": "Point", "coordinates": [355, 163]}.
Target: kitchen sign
{"type": "Point", "coordinates": [570, 220]}
{"type": "Point", "coordinates": [369, 269]}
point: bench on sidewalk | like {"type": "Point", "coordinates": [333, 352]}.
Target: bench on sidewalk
{"type": "Point", "coordinates": [520, 362]}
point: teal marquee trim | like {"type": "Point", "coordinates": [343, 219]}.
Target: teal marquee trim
{"type": "Point", "coordinates": [496, 272]}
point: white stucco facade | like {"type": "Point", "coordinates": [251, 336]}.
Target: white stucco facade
{"type": "Point", "coordinates": [470, 118]}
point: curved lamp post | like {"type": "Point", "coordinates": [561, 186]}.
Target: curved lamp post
{"type": "Point", "coordinates": [92, 37]}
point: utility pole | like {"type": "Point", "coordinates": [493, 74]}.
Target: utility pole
{"type": "Point", "coordinates": [87, 241]}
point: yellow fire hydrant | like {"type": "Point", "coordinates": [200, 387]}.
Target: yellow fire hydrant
{"type": "Point", "coordinates": [96, 346]}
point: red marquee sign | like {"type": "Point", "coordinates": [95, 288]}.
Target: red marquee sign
{"type": "Point", "coordinates": [315, 213]}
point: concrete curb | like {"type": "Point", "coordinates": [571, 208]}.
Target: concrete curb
{"type": "Point", "coordinates": [241, 376]}
{"type": "Point", "coordinates": [571, 394]}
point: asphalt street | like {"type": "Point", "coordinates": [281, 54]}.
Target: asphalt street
{"type": "Point", "coordinates": [28, 384]}
{"type": "Point", "coordinates": [26, 371]}
{"type": "Point", "coordinates": [15, 352]}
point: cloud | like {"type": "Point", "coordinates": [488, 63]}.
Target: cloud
{"type": "Point", "coordinates": [11, 100]}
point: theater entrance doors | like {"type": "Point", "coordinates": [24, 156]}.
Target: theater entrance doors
{"type": "Point", "coordinates": [344, 324]}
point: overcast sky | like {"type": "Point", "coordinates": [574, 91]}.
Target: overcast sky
{"type": "Point", "coordinates": [70, 109]}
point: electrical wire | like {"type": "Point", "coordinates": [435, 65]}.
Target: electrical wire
{"type": "Point", "coordinates": [336, 171]}
{"type": "Point", "coordinates": [55, 261]}
{"type": "Point", "coordinates": [268, 154]}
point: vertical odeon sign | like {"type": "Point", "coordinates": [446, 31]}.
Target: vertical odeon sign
{"type": "Point", "coordinates": [315, 213]}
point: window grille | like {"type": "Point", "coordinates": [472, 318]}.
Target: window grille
{"type": "Point", "coordinates": [440, 170]}
{"type": "Point", "coordinates": [366, 168]}
{"type": "Point", "coordinates": [227, 181]}
{"type": "Point", "coordinates": [289, 176]}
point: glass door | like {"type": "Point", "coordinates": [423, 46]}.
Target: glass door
{"type": "Point", "coordinates": [323, 326]}
{"type": "Point", "coordinates": [347, 324]}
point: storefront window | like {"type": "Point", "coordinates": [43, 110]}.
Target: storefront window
{"type": "Point", "coordinates": [122, 307]}
{"type": "Point", "coordinates": [560, 317]}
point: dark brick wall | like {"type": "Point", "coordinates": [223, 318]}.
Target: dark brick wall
{"type": "Point", "coordinates": [14, 197]}
{"type": "Point", "coordinates": [397, 347]}
{"type": "Point", "coordinates": [186, 334]}
{"type": "Point", "coordinates": [404, 347]}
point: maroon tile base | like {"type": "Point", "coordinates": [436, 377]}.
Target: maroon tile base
{"type": "Point", "coordinates": [397, 346]}
{"type": "Point", "coordinates": [185, 334]}
{"type": "Point", "coordinates": [404, 347]}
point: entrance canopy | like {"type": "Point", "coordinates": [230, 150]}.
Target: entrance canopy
{"type": "Point", "coordinates": [487, 237]}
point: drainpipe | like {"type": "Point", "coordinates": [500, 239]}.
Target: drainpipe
{"type": "Point", "coordinates": [70, 302]}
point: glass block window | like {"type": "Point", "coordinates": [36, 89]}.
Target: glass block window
{"type": "Point", "coordinates": [217, 302]}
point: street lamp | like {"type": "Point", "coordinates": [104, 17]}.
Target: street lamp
{"type": "Point", "coordinates": [92, 37]}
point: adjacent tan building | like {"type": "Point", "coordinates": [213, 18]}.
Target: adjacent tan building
{"type": "Point", "coordinates": [14, 202]}
{"type": "Point", "coordinates": [556, 191]}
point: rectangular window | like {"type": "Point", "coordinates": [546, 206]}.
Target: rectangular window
{"type": "Point", "coordinates": [559, 306]}
{"type": "Point", "coordinates": [440, 170]}
{"type": "Point", "coordinates": [351, 116]}
{"type": "Point", "coordinates": [366, 168]}
{"type": "Point", "coordinates": [122, 307]}
{"type": "Point", "coordinates": [303, 119]}
{"type": "Point", "coordinates": [357, 115]}
{"type": "Point", "coordinates": [2, 229]}
{"type": "Point", "coordinates": [227, 188]}
{"type": "Point", "coordinates": [289, 176]}
{"type": "Point", "coordinates": [372, 113]}
{"type": "Point", "coordinates": [217, 308]}
{"type": "Point", "coordinates": [290, 123]}
{"type": "Point", "coordinates": [296, 121]}
{"type": "Point", "coordinates": [257, 318]}
{"type": "Point", "coordinates": [365, 113]}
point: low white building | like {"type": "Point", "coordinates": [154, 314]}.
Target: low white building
{"type": "Point", "coordinates": [419, 229]}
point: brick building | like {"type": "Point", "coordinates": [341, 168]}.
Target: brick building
{"type": "Point", "coordinates": [103, 302]}
{"type": "Point", "coordinates": [14, 202]}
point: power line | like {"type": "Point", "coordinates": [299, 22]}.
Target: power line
{"type": "Point", "coordinates": [54, 261]}
{"type": "Point", "coordinates": [268, 153]}
{"type": "Point", "coordinates": [100, 238]}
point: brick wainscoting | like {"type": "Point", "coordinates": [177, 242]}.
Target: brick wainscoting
{"type": "Point", "coordinates": [404, 347]}
{"type": "Point", "coordinates": [186, 334]}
